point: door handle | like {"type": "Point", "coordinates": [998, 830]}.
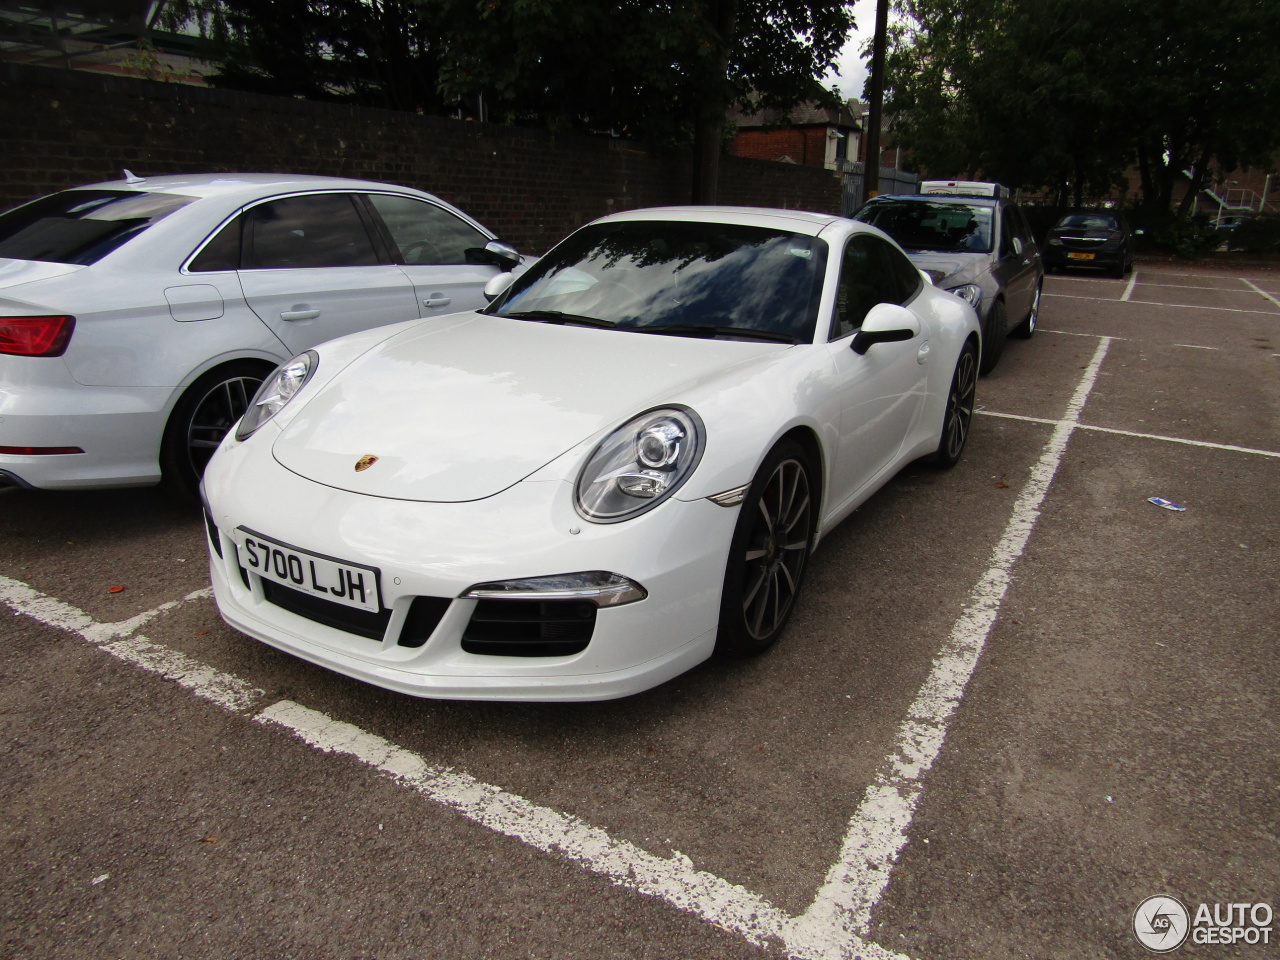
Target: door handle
{"type": "Point", "coordinates": [922, 354]}
{"type": "Point", "coordinates": [300, 312]}
{"type": "Point", "coordinates": [436, 301]}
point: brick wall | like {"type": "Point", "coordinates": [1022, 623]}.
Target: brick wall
{"type": "Point", "coordinates": [59, 128]}
{"type": "Point", "coordinates": [806, 146]}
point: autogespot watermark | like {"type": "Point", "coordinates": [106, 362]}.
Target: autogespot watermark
{"type": "Point", "coordinates": [1162, 924]}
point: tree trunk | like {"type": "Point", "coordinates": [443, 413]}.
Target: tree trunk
{"type": "Point", "coordinates": [1197, 184]}
{"type": "Point", "coordinates": [713, 103]}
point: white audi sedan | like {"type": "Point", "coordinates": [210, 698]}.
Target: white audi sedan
{"type": "Point", "coordinates": [619, 466]}
{"type": "Point", "coordinates": [138, 317]}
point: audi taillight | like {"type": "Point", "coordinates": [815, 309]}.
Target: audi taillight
{"type": "Point", "coordinates": [35, 336]}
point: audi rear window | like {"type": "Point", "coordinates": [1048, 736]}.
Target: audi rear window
{"type": "Point", "coordinates": [81, 226]}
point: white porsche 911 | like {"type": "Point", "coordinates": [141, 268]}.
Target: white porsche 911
{"type": "Point", "coordinates": [617, 468]}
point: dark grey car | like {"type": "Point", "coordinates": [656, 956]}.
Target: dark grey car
{"type": "Point", "coordinates": [979, 248]}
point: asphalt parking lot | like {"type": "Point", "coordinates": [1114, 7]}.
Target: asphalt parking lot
{"type": "Point", "coordinates": [1017, 699]}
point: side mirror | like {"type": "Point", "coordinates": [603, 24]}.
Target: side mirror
{"type": "Point", "coordinates": [1017, 246]}
{"type": "Point", "coordinates": [1139, 232]}
{"type": "Point", "coordinates": [885, 323]}
{"type": "Point", "coordinates": [927, 279]}
{"type": "Point", "coordinates": [495, 252]}
{"type": "Point", "coordinates": [497, 285]}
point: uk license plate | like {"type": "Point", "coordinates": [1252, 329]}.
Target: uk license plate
{"type": "Point", "coordinates": [350, 584]}
{"type": "Point", "coordinates": [1079, 256]}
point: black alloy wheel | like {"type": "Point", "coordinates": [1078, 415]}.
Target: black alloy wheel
{"type": "Point", "coordinates": [768, 553]}
{"type": "Point", "coordinates": [210, 407]}
{"type": "Point", "coordinates": [958, 415]}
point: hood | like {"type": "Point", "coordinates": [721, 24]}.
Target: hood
{"type": "Point", "coordinates": [463, 407]}
{"type": "Point", "coordinates": [14, 272]}
{"type": "Point", "coordinates": [952, 269]}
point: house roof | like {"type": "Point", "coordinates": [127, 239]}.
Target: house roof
{"type": "Point", "coordinates": [802, 115]}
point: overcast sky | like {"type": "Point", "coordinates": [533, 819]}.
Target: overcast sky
{"type": "Point", "coordinates": [851, 68]}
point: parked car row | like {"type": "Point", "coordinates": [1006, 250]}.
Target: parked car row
{"type": "Point", "coordinates": [431, 469]}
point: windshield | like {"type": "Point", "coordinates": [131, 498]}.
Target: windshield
{"type": "Point", "coordinates": [947, 226]}
{"type": "Point", "coordinates": [678, 278]}
{"type": "Point", "coordinates": [1087, 221]}
{"type": "Point", "coordinates": [81, 226]}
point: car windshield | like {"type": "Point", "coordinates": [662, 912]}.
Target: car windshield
{"type": "Point", "coordinates": [81, 226]}
{"type": "Point", "coordinates": [677, 278]}
{"type": "Point", "coordinates": [947, 226]}
{"type": "Point", "coordinates": [1087, 221]}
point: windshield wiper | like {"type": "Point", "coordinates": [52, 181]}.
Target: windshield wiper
{"type": "Point", "coordinates": [711, 332]}
{"type": "Point", "coordinates": [555, 316]}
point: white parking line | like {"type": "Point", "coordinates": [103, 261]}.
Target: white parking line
{"type": "Point", "coordinates": [1258, 289]}
{"type": "Point", "coordinates": [1139, 436]}
{"type": "Point", "coordinates": [1153, 303]}
{"type": "Point", "coordinates": [840, 915]}
{"type": "Point", "coordinates": [1128, 290]}
{"type": "Point", "coordinates": [836, 924]}
{"type": "Point", "coordinates": [1195, 346]}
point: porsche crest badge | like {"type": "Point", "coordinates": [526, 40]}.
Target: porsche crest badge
{"type": "Point", "coordinates": [365, 462]}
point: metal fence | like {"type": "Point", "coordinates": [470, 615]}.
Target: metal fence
{"type": "Point", "coordinates": [891, 182]}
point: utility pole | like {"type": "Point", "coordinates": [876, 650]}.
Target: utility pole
{"type": "Point", "coordinates": [871, 165]}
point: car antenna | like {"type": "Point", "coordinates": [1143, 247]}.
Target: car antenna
{"type": "Point", "coordinates": [131, 177]}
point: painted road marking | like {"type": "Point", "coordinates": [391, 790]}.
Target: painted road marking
{"type": "Point", "coordinates": [1195, 346]}
{"type": "Point", "coordinates": [835, 925]}
{"type": "Point", "coordinates": [1152, 303]}
{"type": "Point", "coordinates": [840, 915]}
{"type": "Point", "coordinates": [1138, 436]}
{"type": "Point", "coordinates": [1128, 290]}
{"type": "Point", "coordinates": [1258, 289]}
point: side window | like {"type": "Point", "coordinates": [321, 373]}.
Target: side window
{"type": "Point", "coordinates": [312, 230]}
{"type": "Point", "coordinates": [222, 252]}
{"type": "Point", "coordinates": [425, 233]}
{"type": "Point", "coordinates": [871, 272]}
{"type": "Point", "coordinates": [1008, 230]}
{"type": "Point", "coordinates": [1024, 227]}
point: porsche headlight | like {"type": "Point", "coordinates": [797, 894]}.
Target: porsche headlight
{"type": "Point", "coordinates": [639, 465]}
{"type": "Point", "coordinates": [276, 391]}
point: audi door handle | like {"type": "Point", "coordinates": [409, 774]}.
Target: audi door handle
{"type": "Point", "coordinates": [300, 313]}
{"type": "Point", "coordinates": [436, 301]}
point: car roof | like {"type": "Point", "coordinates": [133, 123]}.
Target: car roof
{"type": "Point", "coordinates": [245, 185]}
{"type": "Point", "coordinates": [944, 198]}
{"type": "Point", "coordinates": [795, 221]}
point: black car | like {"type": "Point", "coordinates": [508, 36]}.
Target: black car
{"type": "Point", "coordinates": [1096, 239]}
{"type": "Point", "coordinates": [974, 244]}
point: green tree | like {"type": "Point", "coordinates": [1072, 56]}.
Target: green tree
{"type": "Point", "coordinates": [1066, 95]}
{"type": "Point", "coordinates": [664, 71]}
{"type": "Point", "coordinates": [383, 53]}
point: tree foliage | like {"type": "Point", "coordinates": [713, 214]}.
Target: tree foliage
{"type": "Point", "coordinates": [643, 68]}
{"type": "Point", "coordinates": [378, 52]}
{"type": "Point", "coordinates": [1067, 94]}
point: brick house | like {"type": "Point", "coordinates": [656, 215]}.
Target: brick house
{"type": "Point", "coordinates": [810, 136]}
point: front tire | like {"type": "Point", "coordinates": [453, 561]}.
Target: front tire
{"type": "Point", "coordinates": [1027, 328]}
{"type": "Point", "coordinates": [993, 337]}
{"type": "Point", "coordinates": [958, 415]}
{"type": "Point", "coordinates": [208, 409]}
{"type": "Point", "coordinates": [768, 553]}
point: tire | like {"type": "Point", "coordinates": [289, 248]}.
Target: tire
{"type": "Point", "coordinates": [208, 409]}
{"type": "Point", "coordinates": [1027, 328]}
{"type": "Point", "coordinates": [1118, 270]}
{"type": "Point", "coordinates": [768, 553]}
{"type": "Point", "coordinates": [993, 337]}
{"type": "Point", "coordinates": [958, 414]}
